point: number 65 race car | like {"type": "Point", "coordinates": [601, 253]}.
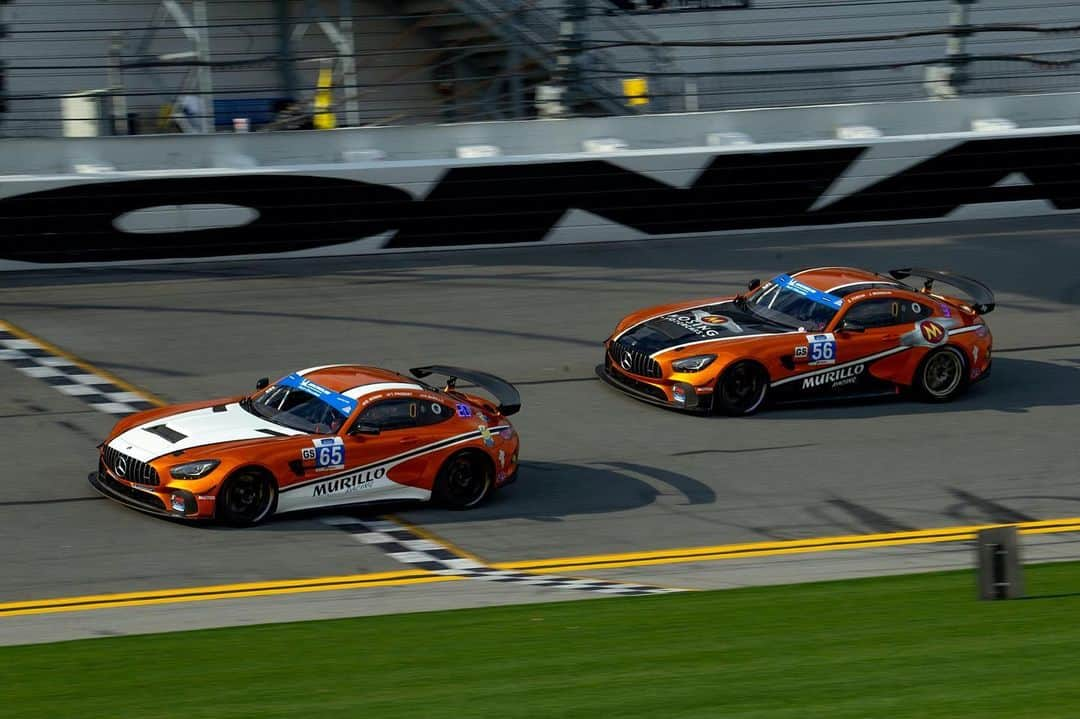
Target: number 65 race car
{"type": "Point", "coordinates": [828, 332]}
{"type": "Point", "coordinates": [320, 437]}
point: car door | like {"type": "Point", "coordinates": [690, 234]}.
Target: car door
{"type": "Point", "coordinates": [867, 332]}
{"type": "Point", "coordinates": [361, 463]}
{"type": "Point", "coordinates": [881, 330]}
{"type": "Point", "coordinates": [406, 431]}
{"type": "Point", "coordinates": [384, 432]}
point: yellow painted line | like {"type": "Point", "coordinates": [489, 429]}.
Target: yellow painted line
{"type": "Point", "coordinates": [221, 591]}
{"type": "Point", "coordinates": [536, 566]}
{"type": "Point", "coordinates": [80, 362]}
{"type": "Point", "coordinates": [432, 537]}
{"type": "Point", "coordinates": [1048, 530]}
{"type": "Point", "coordinates": [763, 549]}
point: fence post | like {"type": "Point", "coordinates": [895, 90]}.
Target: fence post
{"type": "Point", "coordinates": [117, 106]}
{"type": "Point", "coordinates": [1000, 569]}
{"type": "Point", "coordinates": [286, 74]}
{"type": "Point", "coordinates": [956, 56]}
{"type": "Point", "coordinates": [3, 76]}
{"type": "Point", "coordinates": [572, 41]}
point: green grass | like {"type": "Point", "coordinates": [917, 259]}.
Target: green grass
{"type": "Point", "coordinates": [910, 646]}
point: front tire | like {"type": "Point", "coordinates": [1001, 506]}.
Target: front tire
{"type": "Point", "coordinates": [741, 389]}
{"type": "Point", "coordinates": [464, 481]}
{"type": "Point", "coordinates": [246, 498]}
{"type": "Point", "coordinates": [942, 375]}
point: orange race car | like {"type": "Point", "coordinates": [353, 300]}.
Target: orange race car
{"type": "Point", "coordinates": [320, 437]}
{"type": "Point", "coordinates": [828, 332]}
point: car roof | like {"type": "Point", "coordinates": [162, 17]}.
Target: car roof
{"type": "Point", "coordinates": [849, 279]}
{"type": "Point", "coordinates": [357, 380]}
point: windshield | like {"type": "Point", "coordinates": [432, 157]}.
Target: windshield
{"type": "Point", "coordinates": [299, 403]}
{"type": "Point", "coordinates": [789, 302]}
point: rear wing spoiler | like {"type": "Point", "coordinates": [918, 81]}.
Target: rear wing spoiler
{"type": "Point", "coordinates": [982, 298]}
{"type": "Point", "coordinates": [508, 398]}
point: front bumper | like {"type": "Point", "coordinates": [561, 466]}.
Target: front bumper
{"type": "Point", "coordinates": [163, 502]}
{"type": "Point", "coordinates": [653, 394]}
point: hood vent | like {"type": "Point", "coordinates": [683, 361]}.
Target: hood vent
{"type": "Point", "coordinates": [166, 433]}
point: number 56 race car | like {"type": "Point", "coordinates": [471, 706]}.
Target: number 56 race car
{"type": "Point", "coordinates": [822, 333]}
{"type": "Point", "coordinates": [320, 437]}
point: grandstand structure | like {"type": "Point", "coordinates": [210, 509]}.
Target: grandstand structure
{"type": "Point", "coordinates": [149, 66]}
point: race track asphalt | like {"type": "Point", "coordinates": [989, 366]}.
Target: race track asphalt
{"type": "Point", "coordinates": [601, 472]}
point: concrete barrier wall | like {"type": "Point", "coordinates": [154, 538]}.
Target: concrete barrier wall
{"type": "Point", "coordinates": [340, 201]}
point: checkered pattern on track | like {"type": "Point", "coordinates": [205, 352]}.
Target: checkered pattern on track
{"type": "Point", "coordinates": [405, 546]}
{"type": "Point", "coordinates": [66, 376]}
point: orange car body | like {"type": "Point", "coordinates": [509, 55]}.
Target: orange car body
{"type": "Point", "coordinates": [830, 357]}
{"type": "Point", "coordinates": [409, 431]}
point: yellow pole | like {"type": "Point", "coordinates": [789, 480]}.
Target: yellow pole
{"type": "Point", "coordinates": [324, 101]}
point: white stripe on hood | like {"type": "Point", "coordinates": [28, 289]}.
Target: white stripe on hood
{"type": "Point", "coordinates": [200, 427]}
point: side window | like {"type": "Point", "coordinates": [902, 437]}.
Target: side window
{"type": "Point", "coordinates": [404, 412]}
{"type": "Point", "coordinates": [915, 311]}
{"type": "Point", "coordinates": [398, 413]}
{"type": "Point", "coordinates": [432, 413]}
{"type": "Point", "coordinates": [876, 313]}
{"type": "Point", "coordinates": [888, 312]}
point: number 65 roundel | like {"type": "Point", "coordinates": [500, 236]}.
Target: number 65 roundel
{"type": "Point", "coordinates": [328, 452]}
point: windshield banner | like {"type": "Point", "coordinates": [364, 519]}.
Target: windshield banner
{"type": "Point", "coordinates": [339, 402]}
{"type": "Point", "coordinates": [822, 298]}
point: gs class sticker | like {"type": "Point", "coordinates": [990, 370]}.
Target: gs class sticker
{"type": "Point", "coordinates": [822, 349]}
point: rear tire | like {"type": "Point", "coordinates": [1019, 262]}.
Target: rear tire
{"type": "Point", "coordinates": [464, 482]}
{"type": "Point", "coordinates": [246, 498]}
{"type": "Point", "coordinates": [942, 375]}
{"type": "Point", "coordinates": [741, 389]}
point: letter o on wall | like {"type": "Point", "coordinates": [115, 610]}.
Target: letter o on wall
{"type": "Point", "coordinates": [86, 222]}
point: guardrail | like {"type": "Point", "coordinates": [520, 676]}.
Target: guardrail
{"type": "Point", "coordinates": [152, 199]}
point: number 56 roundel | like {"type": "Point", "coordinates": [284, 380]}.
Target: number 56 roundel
{"type": "Point", "coordinates": [813, 334]}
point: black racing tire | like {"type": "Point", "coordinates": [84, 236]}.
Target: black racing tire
{"type": "Point", "coordinates": [246, 499]}
{"type": "Point", "coordinates": [464, 481]}
{"type": "Point", "coordinates": [942, 375]}
{"type": "Point", "coordinates": [741, 389]}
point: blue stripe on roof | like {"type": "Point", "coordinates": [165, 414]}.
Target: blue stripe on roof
{"type": "Point", "coordinates": [341, 403]}
{"type": "Point", "coordinates": [822, 298]}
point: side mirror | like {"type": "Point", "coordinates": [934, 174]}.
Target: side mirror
{"type": "Point", "coordinates": [849, 326]}
{"type": "Point", "coordinates": [262, 383]}
{"type": "Point", "coordinates": [365, 428]}
{"type": "Point", "coordinates": [753, 284]}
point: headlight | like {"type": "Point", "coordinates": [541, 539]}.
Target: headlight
{"type": "Point", "coordinates": [194, 470]}
{"type": "Point", "coordinates": [693, 364]}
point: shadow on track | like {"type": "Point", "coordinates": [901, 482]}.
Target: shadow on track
{"type": "Point", "coordinates": [1017, 385]}
{"type": "Point", "coordinates": [551, 491]}
{"type": "Point", "coordinates": [544, 492]}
